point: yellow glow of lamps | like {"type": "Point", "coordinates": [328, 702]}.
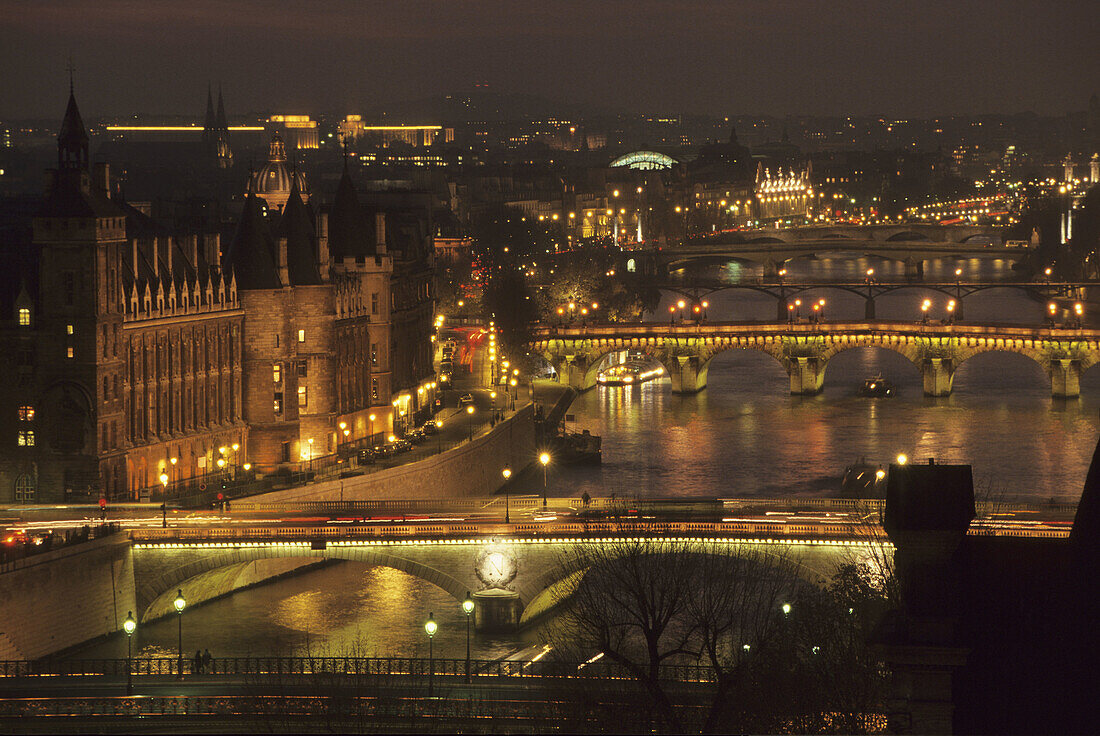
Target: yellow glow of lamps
{"type": "Point", "coordinates": [507, 473]}
{"type": "Point", "coordinates": [180, 603]}
{"type": "Point", "coordinates": [221, 462]}
{"type": "Point", "coordinates": [880, 474]}
{"type": "Point", "coordinates": [469, 410]}
{"type": "Point", "coordinates": [164, 478]}
{"type": "Point", "coordinates": [544, 458]}
{"type": "Point", "coordinates": [902, 459]}
{"type": "Point", "coordinates": [468, 604]}
{"type": "Point", "coordinates": [129, 625]}
{"type": "Point", "coordinates": [174, 460]}
{"type": "Point", "coordinates": [431, 626]}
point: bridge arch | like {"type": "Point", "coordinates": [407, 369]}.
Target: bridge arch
{"type": "Point", "coordinates": [156, 587]}
{"type": "Point", "coordinates": [907, 236]}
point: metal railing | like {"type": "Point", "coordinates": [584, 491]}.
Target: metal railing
{"type": "Point", "coordinates": [357, 666]}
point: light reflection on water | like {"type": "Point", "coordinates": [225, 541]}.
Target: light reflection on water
{"type": "Point", "coordinates": [344, 609]}
{"type": "Point", "coordinates": [746, 435]}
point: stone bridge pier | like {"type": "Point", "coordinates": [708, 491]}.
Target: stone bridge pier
{"type": "Point", "coordinates": [807, 375]}
{"type": "Point", "coordinates": [688, 373]}
{"type": "Point", "coordinates": [1065, 378]}
{"type": "Point", "coordinates": [578, 371]}
{"type": "Point", "coordinates": [938, 375]}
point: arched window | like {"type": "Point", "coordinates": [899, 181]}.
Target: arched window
{"type": "Point", "coordinates": [25, 488]}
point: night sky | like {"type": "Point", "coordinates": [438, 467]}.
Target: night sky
{"type": "Point", "coordinates": [896, 57]}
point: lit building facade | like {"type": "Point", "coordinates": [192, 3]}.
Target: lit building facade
{"type": "Point", "coordinates": [135, 357]}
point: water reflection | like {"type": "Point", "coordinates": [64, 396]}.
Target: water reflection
{"type": "Point", "coordinates": [344, 609]}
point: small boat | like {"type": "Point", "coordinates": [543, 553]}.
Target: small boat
{"type": "Point", "coordinates": [628, 374]}
{"type": "Point", "coordinates": [577, 448]}
{"type": "Point", "coordinates": [877, 388]}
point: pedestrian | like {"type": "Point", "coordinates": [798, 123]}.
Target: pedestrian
{"type": "Point", "coordinates": [196, 664]}
{"type": "Point", "coordinates": [207, 661]}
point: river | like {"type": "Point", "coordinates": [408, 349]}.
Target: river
{"type": "Point", "coordinates": [745, 435]}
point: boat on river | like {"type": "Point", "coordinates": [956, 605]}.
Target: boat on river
{"type": "Point", "coordinates": [628, 374]}
{"type": "Point", "coordinates": [877, 388]}
{"type": "Point", "coordinates": [577, 448]}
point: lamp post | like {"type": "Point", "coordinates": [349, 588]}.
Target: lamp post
{"type": "Point", "coordinates": [371, 419]}
{"type": "Point", "coordinates": [544, 458]}
{"type": "Point", "coordinates": [180, 603]}
{"type": "Point", "coordinates": [310, 443]}
{"type": "Point", "coordinates": [431, 628]}
{"type": "Point", "coordinates": [439, 435]}
{"type": "Point", "coordinates": [468, 607]}
{"type": "Point", "coordinates": [470, 411]}
{"type": "Point", "coordinates": [507, 473]}
{"type": "Point", "coordinates": [129, 626]}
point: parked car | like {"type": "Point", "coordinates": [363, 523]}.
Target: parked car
{"type": "Point", "coordinates": [366, 456]}
{"type": "Point", "coordinates": [402, 445]}
{"type": "Point", "coordinates": [466, 399]}
{"type": "Point", "coordinates": [429, 427]}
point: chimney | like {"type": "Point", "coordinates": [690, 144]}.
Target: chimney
{"type": "Point", "coordinates": [101, 178]}
{"type": "Point", "coordinates": [280, 257]}
{"type": "Point", "coordinates": [322, 245]}
{"type": "Point", "coordinates": [380, 232]}
{"type": "Point", "coordinates": [212, 249]}
{"type": "Point", "coordinates": [194, 252]}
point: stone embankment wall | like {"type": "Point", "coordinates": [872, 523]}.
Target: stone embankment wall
{"type": "Point", "coordinates": [470, 469]}
{"type": "Point", "coordinates": [62, 598]}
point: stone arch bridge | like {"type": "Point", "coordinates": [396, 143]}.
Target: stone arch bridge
{"type": "Point", "coordinates": [804, 350]}
{"type": "Point", "coordinates": [167, 560]}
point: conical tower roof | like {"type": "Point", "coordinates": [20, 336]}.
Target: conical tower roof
{"type": "Point", "coordinates": [347, 229]}
{"type": "Point", "coordinates": [72, 139]}
{"type": "Point", "coordinates": [251, 255]}
{"type": "Point", "coordinates": [297, 227]}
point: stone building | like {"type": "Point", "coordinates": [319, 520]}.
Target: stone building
{"type": "Point", "coordinates": [119, 346]}
{"type": "Point", "coordinates": [135, 356]}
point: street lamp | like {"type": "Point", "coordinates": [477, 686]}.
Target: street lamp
{"type": "Point", "coordinates": [468, 607]}
{"type": "Point", "coordinates": [371, 418]}
{"type": "Point", "coordinates": [470, 411]}
{"type": "Point", "coordinates": [129, 626]}
{"type": "Point", "coordinates": [439, 434]}
{"type": "Point", "coordinates": [179, 605]}
{"type": "Point", "coordinates": [507, 473]}
{"type": "Point", "coordinates": [544, 458]}
{"type": "Point", "coordinates": [310, 442]}
{"type": "Point", "coordinates": [431, 628]}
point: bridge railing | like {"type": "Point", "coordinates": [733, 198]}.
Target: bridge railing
{"type": "Point", "coordinates": [845, 532]}
{"type": "Point", "coordinates": [357, 666]}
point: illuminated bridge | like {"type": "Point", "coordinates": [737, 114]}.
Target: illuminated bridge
{"type": "Point", "coordinates": [910, 243]}
{"type": "Point", "coordinates": [804, 350]}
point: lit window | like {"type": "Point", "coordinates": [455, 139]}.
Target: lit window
{"type": "Point", "coordinates": [26, 413]}
{"type": "Point", "coordinates": [24, 317]}
{"type": "Point", "coordinates": [303, 397]}
{"type": "Point", "coordinates": [68, 329]}
{"type": "Point", "coordinates": [69, 351]}
{"type": "Point", "coordinates": [26, 438]}
{"type": "Point", "coordinates": [374, 389]}
{"type": "Point", "coordinates": [277, 372]}
{"type": "Point", "coordinates": [301, 335]}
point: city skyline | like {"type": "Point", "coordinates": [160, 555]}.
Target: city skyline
{"type": "Point", "coordinates": [769, 59]}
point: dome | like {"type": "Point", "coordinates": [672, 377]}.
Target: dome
{"type": "Point", "coordinates": [273, 181]}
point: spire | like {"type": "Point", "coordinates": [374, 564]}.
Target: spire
{"type": "Point", "coordinates": [220, 121]}
{"type": "Point", "coordinates": [347, 232]}
{"type": "Point", "coordinates": [209, 121]}
{"type": "Point", "coordinates": [72, 140]}
{"type": "Point", "coordinates": [297, 227]}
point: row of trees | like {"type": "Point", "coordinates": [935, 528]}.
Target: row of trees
{"type": "Point", "coordinates": [788, 654]}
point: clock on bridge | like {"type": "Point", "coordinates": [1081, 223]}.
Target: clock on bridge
{"type": "Point", "coordinates": [495, 566]}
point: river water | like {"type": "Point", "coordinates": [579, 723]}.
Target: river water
{"type": "Point", "coordinates": [743, 436]}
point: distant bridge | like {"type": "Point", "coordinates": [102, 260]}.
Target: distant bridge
{"type": "Point", "coordinates": [804, 350]}
{"type": "Point", "coordinates": [910, 244]}
{"type": "Point", "coordinates": [784, 290]}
